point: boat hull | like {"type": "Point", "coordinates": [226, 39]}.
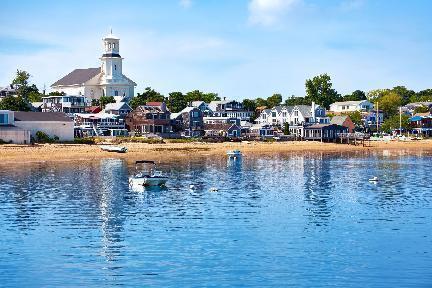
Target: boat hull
{"type": "Point", "coordinates": [148, 181]}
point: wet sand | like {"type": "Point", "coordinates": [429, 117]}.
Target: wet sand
{"type": "Point", "coordinates": [181, 151]}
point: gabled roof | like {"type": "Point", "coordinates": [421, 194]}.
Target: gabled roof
{"type": "Point", "coordinates": [349, 102]}
{"type": "Point", "coordinates": [77, 77]}
{"type": "Point", "coordinates": [117, 106]}
{"type": "Point", "coordinates": [339, 120]}
{"type": "Point", "coordinates": [305, 110]}
{"type": "Point", "coordinates": [41, 116]}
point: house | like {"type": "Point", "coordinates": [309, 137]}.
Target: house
{"type": "Point", "coordinates": [204, 107]}
{"type": "Point", "coordinates": [229, 130]}
{"type": "Point", "coordinates": [351, 106]}
{"type": "Point", "coordinates": [152, 118]}
{"type": "Point", "coordinates": [262, 131]}
{"type": "Point", "coordinates": [11, 133]}
{"type": "Point", "coordinates": [118, 108]}
{"type": "Point", "coordinates": [54, 124]}
{"type": "Point", "coordinates": [99, 124]}
{"type": "Point", "coordinates": [93, 109]}
{"type": "Point", "coordinates": [229, 109]}
{"type": "Point", "coordinates": [106, 80]}
{"type": "Point", "coordinates": [189, 122]}
{"type": "Point", "coordinates": [371, 118]}
{"type": "Point", "coordinates": [411, 107]}
{"type": "Point", "coordinates": [65, 104]}
{"type": "Point", "coordinates": [7, 91]}
{"type": "Point", "coordinates": [324, 132]}
{"type": "Point", "coordinates": [421, 123]}
{"type": "Point", "coordinates": [343, 120]}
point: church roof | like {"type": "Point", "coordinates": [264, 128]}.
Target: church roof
{"type": "Point", "coordinates": [77, 76]}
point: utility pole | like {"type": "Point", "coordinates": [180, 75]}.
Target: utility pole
{"type": "Point", "coordinates": [400, 121]}
{"type": "Point", "coordinates": [377, 117]}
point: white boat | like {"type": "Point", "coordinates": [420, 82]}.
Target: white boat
{"type": "Point", "coordinates": [110, 148]}
{"type": "Point", "coordinates": [151, 177]}
{"type": "Point", "coordinates": [234, 154]}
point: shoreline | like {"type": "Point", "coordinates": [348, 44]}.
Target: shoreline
{"type": "Point", "coordinates": [170, 152]}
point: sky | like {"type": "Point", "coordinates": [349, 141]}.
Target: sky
{"type": "Point", "coordinates": [236, 48]}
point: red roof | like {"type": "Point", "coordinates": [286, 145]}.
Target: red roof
{"type": "Point", "coordinates": [93, 109]}
{"type": "Point", "coordinates": [154, 103]}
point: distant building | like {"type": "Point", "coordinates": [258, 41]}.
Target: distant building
{"type": "Point", "coordinates": [152, 118]}
{"type": "Point", "coordinates": [351, 106]}
{"type": "Point", "coordinates": [411, 107]}
{"type": "Point", "coordinates": [229, 130]}
{"type": "Point", "coordinates": [324, 132]}
{"type": "Point", "coordinates": [11, 133]}
{"type": "Point", "coordinates": [343, 120]}
{"type": "Point", "coordinates": [65, 104]}
{"type": "Point", "coordinates": [99, 124]}
{"type": "Point", "coordinates": [229, 109]}
{"type": "Point", "coordinates": [421, 123]}
{"type": "Point", "coordinates": [371, 118]}
{"type": "Point", "coordinates": [7, 91]}
{"type": "Point", "coordinates": [107, 80]}
{"type": "Point", "coordinates": [189, 122]}
{"type": "Point", "coordinates": [51, 123]}
{"type": "Point", "coordinates": [118, 108]}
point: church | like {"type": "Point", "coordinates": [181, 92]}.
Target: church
{"type": "Point", "coordinates": [107, 80]}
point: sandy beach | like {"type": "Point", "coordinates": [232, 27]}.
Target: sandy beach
{"type": "Point", "coordinates": [180, 151]}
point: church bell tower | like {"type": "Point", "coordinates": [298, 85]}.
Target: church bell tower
{"type": "Point", "coordinates": [111, 60]}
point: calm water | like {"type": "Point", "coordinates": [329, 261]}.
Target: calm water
{"type": "Point", "coordinates": [305, 221]}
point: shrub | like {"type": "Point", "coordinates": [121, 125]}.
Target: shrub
{"type": "Point", "coordinates": [42, 137]}
{"type": "Point", "coordinates": [84, 140]}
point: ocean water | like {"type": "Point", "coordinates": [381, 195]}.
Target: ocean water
{"type": "Point", "coordinates": [301, 220]}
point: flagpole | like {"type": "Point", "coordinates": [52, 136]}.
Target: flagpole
{"type": "Point", "coordinates": [400, 121]}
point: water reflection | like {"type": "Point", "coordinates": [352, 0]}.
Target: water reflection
{"type": "Point", "coordinates": [268, 215]}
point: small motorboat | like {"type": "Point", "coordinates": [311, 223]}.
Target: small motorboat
{"type": "Point", "coordinates": [234, 154]}
{"type": "Point", "coordinates": [147, 177]}
{"type": "Point", "coordinates": [373, 179]}
{"type": "Point", "coordinates": [110, 148]}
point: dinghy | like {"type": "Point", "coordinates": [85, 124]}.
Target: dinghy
{"type": "Point", "coordinates": [147, 177]}
{"type": "Point", "coordinates": [234, 154]}
{"type": "Point", "coordinates": [110, 148]}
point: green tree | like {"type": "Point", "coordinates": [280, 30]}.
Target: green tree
{"type": "Point", "coordinates": [393, 123]}
{"type": "Point", "coordinates": [357, 95]}
{"type": "Point", "coordinates": [404, 93]}
{"type": "Point", "coordinates": [14, 104]}
{"type": "Point", "coordinates": [260, 102]}
{"type": "Point", "coordinates": [422, 96]}
{"type": "Point", "coordinates": [319, 90]}
{"type": "Point", "coordinates": [373, 95]}
{"type": "Point", "coordinates": [249, 105]}
{"type": "Point", "coordinates": [177, 101]}
{"type": "Point", "coordinates": [389, 103]}
{"type": "Point", "coordinates": [292, 101]}
{"type": "Point", "coordinates": [197, 95]}
{"type": "Point", "coordinates": [95, 102]}
{"type": "Point", "coordinates": [274, 100]}
{"type": "Point", "coordinates": [149, 95]}
{"type": "Point", "coordinates": [286, 127]}
{"type": "Point", "coordinates": [356, 117]}
{"type": "Point", "coordinates": [104, 100]}
{"type": "Point", "coordinates": [421, 109]}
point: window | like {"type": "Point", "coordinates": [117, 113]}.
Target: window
{"type": "Point", "coordinates": [113, 45]}
{"type": "Point", "coordinates": [115, 93]}
{"type": "Point", "coordinates": [115, 67]}
{"type": "Point", "coordinates": [4, 118]}
{"type": "Point", "coordinates": [195, 114]}
{"type": "Point", "coordinates": [109, 45]}
{"type": "Point", "coordinates": [273, 114]}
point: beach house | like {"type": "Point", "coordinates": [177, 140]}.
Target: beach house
{"type": "Point", "coordinates": [11, 133]}
{"type": "Point", "coordinates": [150, 119]}
{"type": "Point", "coordinates": [351, 106]}
{"type": "Point", "coordinates": [343, 120]}
{"type": "Point", "coordinates": [66, 104]}
{"type": "Point", "coordinates": [53, 124]}
{"type": "Point", "coordinates": [324, 132]}
{"type": "Point", "coordinates": [189, 122]}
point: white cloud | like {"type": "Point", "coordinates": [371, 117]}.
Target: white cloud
{"type": "Point", "coordinates": [185, 3]}
{"type": "Point", "coordinates": [268, 12]}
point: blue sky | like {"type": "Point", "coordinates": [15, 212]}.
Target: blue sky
{"type": "Point", "coordinates": [239, 49]}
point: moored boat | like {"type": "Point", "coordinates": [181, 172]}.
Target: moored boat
{"type": "Point", "coordinates": [149, 177]}
{"type": "Point", "coordinates": [110, 148]}
{"type": "Point", "coordinates": [234, 154]}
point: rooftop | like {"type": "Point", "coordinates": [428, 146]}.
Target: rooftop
{"type": "Point", "coordinates": [77, 77]}
{"type": "Point", "coordinates": [41, 116]}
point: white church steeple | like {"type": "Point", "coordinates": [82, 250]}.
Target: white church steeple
{"type": "Point", "coordinates": [111, 60]}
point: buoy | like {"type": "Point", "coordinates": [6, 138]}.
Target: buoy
{"type": "Point", "coordinates": [191, 186]}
